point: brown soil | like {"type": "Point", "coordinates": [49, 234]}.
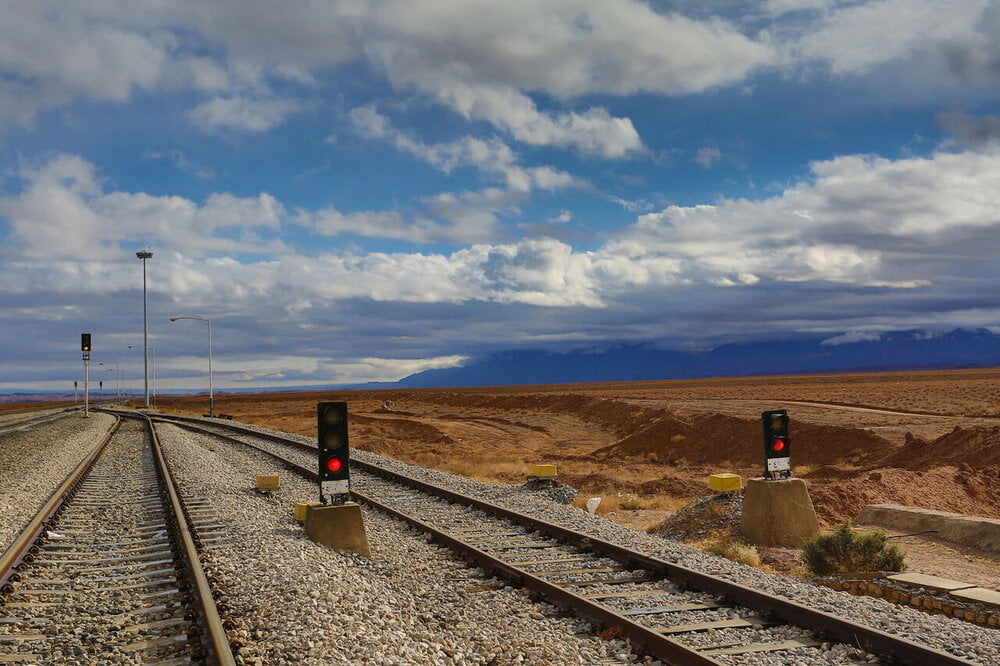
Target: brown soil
{"type": "Point", "coordinates": [653, 444]}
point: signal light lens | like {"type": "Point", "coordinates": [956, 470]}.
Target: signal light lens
{"type": "Point", "coordinates": [334, 464]}
{"type": "Point", "coordinates": [333, 414]}
{"type": "Point", "coordinates": [779, 445]}
{"type": "Point", "coordinates": [333, 440]}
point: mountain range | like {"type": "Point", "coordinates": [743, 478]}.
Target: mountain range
{"type": "Point", "coordinates": [850, 352]}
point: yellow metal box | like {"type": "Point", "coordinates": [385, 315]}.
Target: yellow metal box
{"type": "Point", "coordinates": [268, 482]}
{"type": "Point", "coordinates": [725, 482]}
{"type": "Point", "coordinates": [301, 508]}
{"type": "Point", "coordinates": [545, 471]}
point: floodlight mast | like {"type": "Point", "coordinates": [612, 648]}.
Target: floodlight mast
{"type": "Point", "coordinates": [144, 255]}
{"type": "Point", "coordinates": [211, 398]}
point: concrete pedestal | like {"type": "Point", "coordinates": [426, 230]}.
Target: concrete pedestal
{"type": "Point", "coordinates": [778, 513]}
{"type": "Point", "coordinates": [338, 526]}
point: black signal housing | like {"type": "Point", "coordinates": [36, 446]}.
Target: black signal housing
{"type": "Point", "coordinates": [333, 448]}
{"type": "Point", "coordinates": [777, 444]}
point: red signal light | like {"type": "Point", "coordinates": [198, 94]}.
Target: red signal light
{"type": "Point", "coordinates": [334, 464]}
{"type": "Point", "coordinates": [779, 445]}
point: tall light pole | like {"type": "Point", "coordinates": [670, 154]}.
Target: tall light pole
{"type": "Point", "coordinates": [211, 398]}
{"type": "Point", "coordinates": [152, 353]}
{"type": "Point", "coordinates": [144, 255]}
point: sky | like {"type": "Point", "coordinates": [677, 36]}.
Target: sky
{"type": "Point", "coordinates": [357, 190]}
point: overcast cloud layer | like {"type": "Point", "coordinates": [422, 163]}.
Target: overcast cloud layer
{"type": "Point", "coordinates": [357, 191]}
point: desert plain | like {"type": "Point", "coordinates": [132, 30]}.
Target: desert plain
{"type": "Point", "coordinates": [927, 439]}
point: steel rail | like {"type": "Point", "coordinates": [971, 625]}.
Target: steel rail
{"type": "Point", "coordinates": [217, 643]}
{"type": "Point", "coordinates": [825, 625]}
{"type": "Point", "coordinates": [27, 542]}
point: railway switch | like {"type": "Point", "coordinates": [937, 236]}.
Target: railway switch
{"type": "Point", "coordinates": [334, 452]}
{"type": "Point", "coordinates": [777, 444]}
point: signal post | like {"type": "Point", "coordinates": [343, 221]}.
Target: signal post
{"type": "Point", "coordinates": [777, 510]}
{"type": "Point", "coordinates": [85, 348]}
{"type": "Point", "coordinates": [337, 524]}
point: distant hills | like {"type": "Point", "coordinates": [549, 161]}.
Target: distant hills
{"type": "Point", "coordinates": [850, 352]}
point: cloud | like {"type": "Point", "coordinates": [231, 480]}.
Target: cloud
{"type": "Point", "coordinates": [62, 212]}
{"type": "Point", "coordinates": [929, 44]}
{"type": "Point", "coordinates": [851, 337]}
{"type": "Point", "coordinates": [972, 131]}
{"type": "Point", "coordinates": [241, 113]}
{"type": "Point", "coordinates": [483, 60]}
{"type": "Point", "coordinates": [707, 157]}
{"type": "Point", "coordinates": [490, 156]}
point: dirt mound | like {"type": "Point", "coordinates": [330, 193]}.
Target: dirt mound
{"type": "Point", "coordinates": [977, 447]}
{"type": "Point", "coordinates": [704, 516]}
{"type": "Point", "coordinates": [399, 429]}
{"type": "Point", "coordinates": [728, 440]}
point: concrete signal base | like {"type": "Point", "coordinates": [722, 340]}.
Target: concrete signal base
{"type": "Point", "coordinates": [338, 526]}
{"type": "Point", "coordinates": [778, 513]}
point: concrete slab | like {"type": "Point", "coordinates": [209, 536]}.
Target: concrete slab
{"type": "Point", "coordinates": [931, 582]}
{"type": "Point", "coordinates": [980, 594]}
{"type": "Point", "coordinates": [973, 531]}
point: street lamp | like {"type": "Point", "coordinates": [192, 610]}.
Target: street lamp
{"type": "Point", "coordinates": [211, 399]}
{"type": "Point", "coordinates": [152, 352]}
{"type": "Point", "coordinates": [144, 255]}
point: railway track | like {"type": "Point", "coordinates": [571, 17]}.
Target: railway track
{"type": "Point", "coordinates": [32, 419]}
{"type": "Point", "coordinates": [108, 570]}
{"type": "Point", "coordinates": [680, 616]}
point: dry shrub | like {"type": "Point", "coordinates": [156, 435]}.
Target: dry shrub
{"type": "Point", "coordinates": [732, 548]}
{"type": "Point", "coordinates": [847, 552]}
{"type": "Point", "coordinates": [628, 502]}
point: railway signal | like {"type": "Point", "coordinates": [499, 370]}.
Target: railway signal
{"type": "Point", "coordinates": [334, 451]}
{"type": "Point", "coordinates": [777, 444]}
{"type": "Point", "coordinates": [85, 348]}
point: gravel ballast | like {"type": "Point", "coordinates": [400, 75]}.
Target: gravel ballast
{"type": "Point", "coordinates": [294, 601]}
{"type": "Point", "coordinates": [34, 462]}
{"type": "Point", "coordinates": [956, 637]}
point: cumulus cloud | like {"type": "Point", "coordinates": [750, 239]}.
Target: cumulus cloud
{"type": "Point", "coordinates": [481, 59]}
{"type": "Point", "coordinates": [972, 131]}
{"type": "Point", "coordinates": [939, 43]}
{"type": "Point", "coordinates": [63, 212]}
{"type": "Point", "coordinates": [490, 156]}
{"type": "Point", "coordinates": [241, 113]}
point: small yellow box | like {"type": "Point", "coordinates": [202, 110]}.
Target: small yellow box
{"type": "Point", "coordinates": [545, 471]}
{"type": "Point", "coordinates": [725, 482]}
{"type": "Point", "coordinates": [300, 510]}
{"type": "Point", "coordinates": [268, 482]}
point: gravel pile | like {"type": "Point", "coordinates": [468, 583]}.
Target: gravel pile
{"type": "Point", "coordinates": [294, 601]}
{"type": "Point", "coordinates": [34, 462]}
{"type": "Point", "coordinates": [719, 513]}
{"type": "Point", "coordinates": [956, 637]}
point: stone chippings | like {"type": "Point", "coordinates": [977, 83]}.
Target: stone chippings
{"type": "Point", "coordinates": [962, 639]}
{"type": "Point", "coordinates": [34, 462]}
{"type": "Point", "coordinates": [294, 601]}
